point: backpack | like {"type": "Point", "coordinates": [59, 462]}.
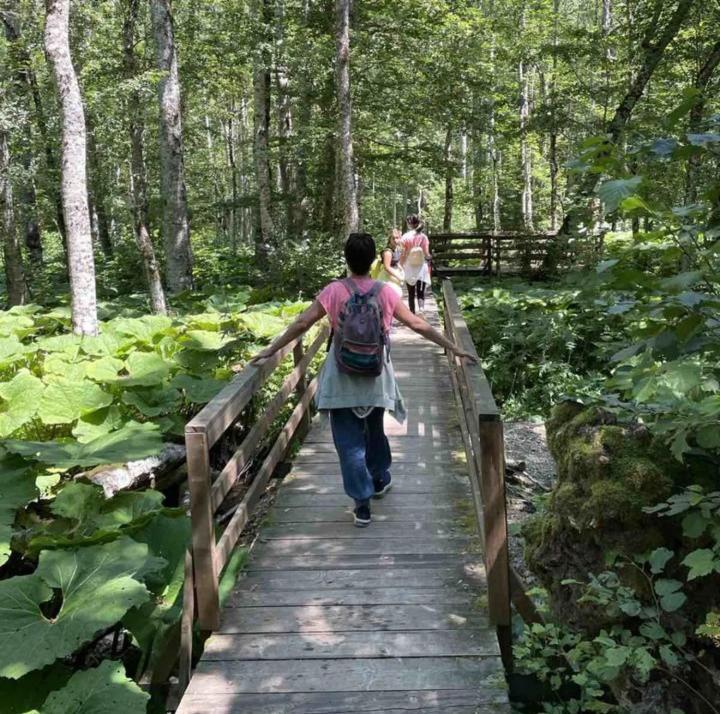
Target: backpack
{"type": "Point", "coordinates": [359, 338]}
{"type": "Point", "coordinates": [416, 256]}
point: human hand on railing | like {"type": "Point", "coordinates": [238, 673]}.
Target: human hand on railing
{"type": "Point", "coordinates": [269, 351]}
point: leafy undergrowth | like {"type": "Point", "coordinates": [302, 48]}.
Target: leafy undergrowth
{"type": "Point", "coordinates": [75, 565]}
{"type": "Point", "coordinates": [627, 357]}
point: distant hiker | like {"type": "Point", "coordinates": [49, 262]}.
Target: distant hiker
{"type": "Point", "coordinates": [386, 268]}
{"type": "Point", "coordinates": [357, 383]}
{"type": "Point", "coordinates": [416, 253]}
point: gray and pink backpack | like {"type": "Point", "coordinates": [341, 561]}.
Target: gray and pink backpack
{"type": "Point", "coordinates": [359, 338]}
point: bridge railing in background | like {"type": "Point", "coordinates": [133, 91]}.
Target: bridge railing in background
{"type": "Point", "coordinates": [482, 432]}
{"type": "Point", "coordinates": [208, 557]}
{"type": "Point", "coordinates": [495, 253]}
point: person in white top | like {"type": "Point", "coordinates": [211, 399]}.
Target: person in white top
{"type": "Point", "coordinates": [415, 254]}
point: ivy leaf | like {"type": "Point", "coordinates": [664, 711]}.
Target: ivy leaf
{"type": "Point", "coordinates": [612, 192]}
{"type": "Point", "coordinates": [65, 401]}
{"type": "Point", "coordinates": [20, 401]}
{"type": "Point", "coordinates": [659, 559]}
{"type": "Point", "coordinates": [98, 691]}
{"type": "Point", "coordinates": [673, 601]}
{"type": "Point", "coordinates": [98, 585]}
{"type": "Point", "coordinates": [653, 631]}
{"type": "Point", "coordinates": [145, 369]}
{"type": "Point", "coordinates": [132, 442]}
{"type": "Point", "coordinates": [617, 656]}
{"type": "Point", "coordinates": [701, 562]}
{"type": "Point", "coordinates": [667, 654]}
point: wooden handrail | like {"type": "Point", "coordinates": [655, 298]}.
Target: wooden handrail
{"type": "Point", "coordinates": [484, 445]}
{"type": "Point", "coordinates": [206, 429]}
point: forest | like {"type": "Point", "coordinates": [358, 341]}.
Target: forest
{"type": "Point", "coordinates": [177, 179]}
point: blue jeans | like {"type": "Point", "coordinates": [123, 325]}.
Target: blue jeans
{"type": "Point", "coordinates": [364, 452]}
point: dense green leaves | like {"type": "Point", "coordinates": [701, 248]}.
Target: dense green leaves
{"type": "Point", "coordinates": [96, 586]}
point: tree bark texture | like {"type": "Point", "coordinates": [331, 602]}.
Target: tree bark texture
{"type": "Point", "coordinates": [14, 272]}
{"type": "Point", "coordinates": [348, 189]}
{"type": "Point", "coordinates": [81, 262]}
{"type": "Point", "coordinates": [264, 237]}
{"type": "Point", "coordinates": [138, 182]}
{"type": "Point", "coordinates": [176, 227]}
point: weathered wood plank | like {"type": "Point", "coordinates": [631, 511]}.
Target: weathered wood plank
{"type": "Point", "coordinates": [344, 618]}
{"type": "Point", "coordinates": [358, 595]}
{"type": "Point", "coordinates": [307, 484]}
{"type": "Point", "coordinates": [323, 675]}
{"type": "Point", "coordinates": [382, 513]}
{"type": "Point", "coordinates": [337, 645]}
{"type": "Point", "coordinates": [352, 561]}
{"type": "Point", "coordinates": [486, 700]}
{"type": "Point", "coordinates": [458, 575]}
{"type": "Point", "coordinates": [332, 466]}
{"type": "Point", "coordinates": [289, 547]}
{"type": "Point", "coordinates": [298, 498]}
{"type": "Point", "coordinates": [380, 529]}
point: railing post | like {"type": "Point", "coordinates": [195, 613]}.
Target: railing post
{"type": "Point", "coordinates": [298, 353]}
{"type": "Point", "coordinates": [203, 531]}
{"type": "Point", "coordinates": [497, 562]}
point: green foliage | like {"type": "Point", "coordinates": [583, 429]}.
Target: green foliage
{"type": "Point", "coordinates": [96, 691]}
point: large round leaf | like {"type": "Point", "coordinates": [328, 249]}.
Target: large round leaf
{"type": "Point", "coordinates": [145, 369]}
{"type": "Point", "coordinates": [98, 691]}
{"type": "Point", "coordinates": [20, 397]}
{"type": "Point", "coordinates": [17, 488]}
{"type": "Point", "coordinates": [64, 401]}
{"type": "Point", "coordinates": [98, 585]}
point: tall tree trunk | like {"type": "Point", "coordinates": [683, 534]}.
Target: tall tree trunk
{"type": "Point", "coordinates": [493, 153]}
{"type": "Point", "coordinates": [552, 149]}
{"type": "Point", "coordinates": [138, 182]}
{"type": "Point", "coordinates": [702, 80]}
{"type": "Point", "coordinates": [265, 235]}
{"type": "Point", "coordinates": [97, 192]}
{"type": "Point", "coordinates": [348, 189]}
{"type": "Point", "coordinates": [525, 152]}
{"type": "Point", "coordinates": [477, 151]}
{"type": "Point", "coordinates": [176, 228]}
{"type": "Point", "coordinates": [449, 172]}
{"type": "Point", "coordinates": [653, 45]}
{"type": "Point", "coordinates": [81, 262]}
{"type": "Point", "coordinates": [14, 271]}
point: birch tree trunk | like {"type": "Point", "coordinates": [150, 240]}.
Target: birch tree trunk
{"type": "Point", "coordinates": [552, 158]}
{"type": "Point", "coordinates": [81, 262]}
{"type": "Point", "coordinates": [449, 193]}
{"type": "Point", "coordinates": [14, 271]}
{"type": "Point", "coordinates": [525, 152]}
{"type": "Point", "coordinates": [176, 228]}
{"type": "Point", "coordinates": [348, 189]}
{"type": "Point", "coordinates": [138, 182]}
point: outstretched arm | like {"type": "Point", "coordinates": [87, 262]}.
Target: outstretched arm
{"type": "Point", "coordinates": [299, 326]}
{"type": "Point", "coordinates": [422, 327]}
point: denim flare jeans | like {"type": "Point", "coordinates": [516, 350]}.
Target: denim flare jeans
{"type": "Point", "coordinates": [364, 452]}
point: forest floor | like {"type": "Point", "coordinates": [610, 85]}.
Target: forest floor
{"type": "Point", "coordinates": [530, 472]}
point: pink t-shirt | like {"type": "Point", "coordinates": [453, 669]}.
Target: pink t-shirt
{"type": "Point", "coordinates": [334, 296]}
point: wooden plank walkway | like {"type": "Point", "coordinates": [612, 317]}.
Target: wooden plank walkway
{"type": "Point", "coordinates": [330, 618]}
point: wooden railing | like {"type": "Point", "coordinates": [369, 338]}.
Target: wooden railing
{"type": "Point", "coordinates": [208, 557]}
{"type": "Point", "coordinates": [493, 253]}
{"type": "Point", "coordinates": [483, 439]}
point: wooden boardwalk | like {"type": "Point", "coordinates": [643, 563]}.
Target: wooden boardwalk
{"type": "Point", "coordinates": [330, 618]}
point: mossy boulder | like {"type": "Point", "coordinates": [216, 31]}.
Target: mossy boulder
{"type": "Point", "coordinates": [607, 472]}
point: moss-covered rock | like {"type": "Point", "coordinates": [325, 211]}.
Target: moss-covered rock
{"type": "Point", "coordinates": [607, 473]}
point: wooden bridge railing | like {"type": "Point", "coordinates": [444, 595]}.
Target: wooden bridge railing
{"type": "Point", "coordinates": [482, 432]}
{"type": "Point", "coordinates": [205, 563]}
{"type": "Point", "coordinates": [493, 253]}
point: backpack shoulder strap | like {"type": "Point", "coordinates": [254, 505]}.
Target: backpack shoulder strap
{"type": "Point", "coordinates": [349, 286]}
{"type": "Point", "coordinates": [375, 289]}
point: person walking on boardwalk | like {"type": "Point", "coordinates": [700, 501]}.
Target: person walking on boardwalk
{"type": "Point", "coordinates": [416, 253]}
{"type": "Point", "coordinates": [357, 384]}
{"type": "Point", "coordinates": [387, 267]}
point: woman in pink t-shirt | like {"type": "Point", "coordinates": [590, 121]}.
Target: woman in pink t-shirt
{"type": "Point", "coordinates": [357, 403]}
